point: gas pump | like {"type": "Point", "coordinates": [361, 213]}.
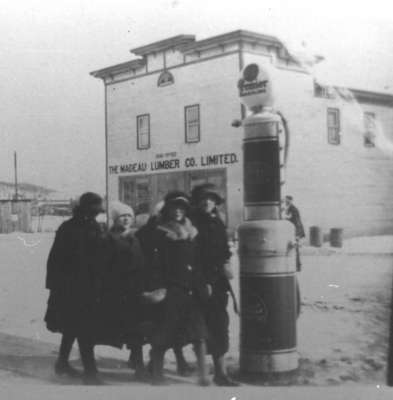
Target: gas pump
{"type": "Point", "coordinates": [267, 267]}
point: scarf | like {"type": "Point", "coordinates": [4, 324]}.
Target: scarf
{"type": "Point", "coordinates": [120, 232]}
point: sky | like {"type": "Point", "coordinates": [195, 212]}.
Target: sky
{"type": "Point", "coordinates": [52, 110]}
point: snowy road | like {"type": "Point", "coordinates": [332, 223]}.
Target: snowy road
{"type": "Point", "coordinates": [342, 331]}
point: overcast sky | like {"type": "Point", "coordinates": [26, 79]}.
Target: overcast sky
{"type": "Point", "coordinates": [52, 111]}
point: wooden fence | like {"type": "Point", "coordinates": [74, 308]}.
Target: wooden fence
{"type": "Point", "coordinates": [15, 216]}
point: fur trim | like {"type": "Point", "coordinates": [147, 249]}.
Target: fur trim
{"type": "Point", "coordinates": [179, 230]}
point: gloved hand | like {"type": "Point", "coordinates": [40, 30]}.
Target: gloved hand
{"type": "Point", "coordinates": [228, 271]}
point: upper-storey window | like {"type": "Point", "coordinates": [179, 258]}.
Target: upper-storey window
{"type": "Point", "coordinates": [326, 92]}
{"type": "Point", "coordinates": [165, 79]}
{"type": "Point", "coordinates": [192, 124]}
{"type": "Point", "coordinates": [143, 131]}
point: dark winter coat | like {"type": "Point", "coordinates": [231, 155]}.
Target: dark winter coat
{"type": "Point", "coordinates": [121, 288]}
{"type": "Point", "coordinates": [178, 270]}
{"type": "Point", "coordinates": [74, 269]}
{"type": "Point", "coordinates": [212, 242]}
{"type": "Point", "coordinates": [147, 237]}
{"type": "Point", "coordinates": [213, 248]}
{"type": "Point", "coordinates": [293, 216]}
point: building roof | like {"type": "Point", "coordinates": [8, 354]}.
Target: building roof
{"type": "Point", "coordinates": [231, 37]}
{"type": "Point", "coordinates": [371, 96]}
{"type": "Point", "coordinates": [188, 44]}
{"type": "Point", "coordinates": [162, 45]}
{"type": "Point", "coordinates": [119, 68]}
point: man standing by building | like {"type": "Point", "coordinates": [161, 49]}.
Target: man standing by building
{"type": "Point", "coordinates": [292, 214]}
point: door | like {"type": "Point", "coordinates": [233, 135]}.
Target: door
{"type": "Point", "coordinates": [136, 192]}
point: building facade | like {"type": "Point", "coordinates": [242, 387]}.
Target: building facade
{"type": "Point", "coordinates": [168, 126]}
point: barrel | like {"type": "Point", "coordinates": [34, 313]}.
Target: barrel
{"type": "Point", "coordinates": [336, 237]}
{"type": "Point", "coordinates": [316, 237]}
{"type": "Point", "coordinates": [268, 297]}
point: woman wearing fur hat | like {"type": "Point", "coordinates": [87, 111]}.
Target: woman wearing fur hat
{"type": "Point", "coordinates": [122, 286]}
{"type": "Point", "coordinates": [146, 236]}
{"type": "Point", "coordinates": [215, 254]}
{"type": "Point", "coordinates": [73, 277]}
{"type": "Point", "coordinates": [177, 271]}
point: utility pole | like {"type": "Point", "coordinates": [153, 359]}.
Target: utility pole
{"type": "Point", "coordinates": [16, 175]}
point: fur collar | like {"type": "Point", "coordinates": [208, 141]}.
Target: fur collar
{"type": "Point", "coordinates": [178, 230]}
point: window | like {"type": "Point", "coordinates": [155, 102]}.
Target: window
{"type": "Point", "coordinates": [136, 192]}
{"type": "Point", "coordinates": [369, 129]}
{"type": "Point", "coordinates": [165, 79]}
{"type": "Point", "coordinates": [326, 92]}
{"type": "Point", "coordinates": [143, 131]}
{"type": "Point", "coordinates": [333, 125]}
{"type": "Point", "coordinates": [192, 123]}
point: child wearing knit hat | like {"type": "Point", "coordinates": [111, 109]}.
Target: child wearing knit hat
{"type": "Point", "coordinates": [122, 286]}
{"type": "Point", "coordinates": [121, 214]}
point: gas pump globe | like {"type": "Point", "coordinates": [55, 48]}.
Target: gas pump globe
{"type": "Point", "coordinates": [267, 265]}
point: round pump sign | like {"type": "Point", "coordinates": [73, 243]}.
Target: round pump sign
{"type": "Point", "coordinates": [255, 87]}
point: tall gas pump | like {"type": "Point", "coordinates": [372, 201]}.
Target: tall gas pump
{"type": "Point", "coordinates": [267, 265]}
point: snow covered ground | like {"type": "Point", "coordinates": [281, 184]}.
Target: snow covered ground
{"type": "Point", "coordinates": [342, 330]}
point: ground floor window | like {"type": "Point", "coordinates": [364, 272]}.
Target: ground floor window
{"type": "Point", "coordinates": [333, 125]}
{"type": "Point", "coordinates": [369, 129]}
{"type": "Point", "coordinates": [143, 192]}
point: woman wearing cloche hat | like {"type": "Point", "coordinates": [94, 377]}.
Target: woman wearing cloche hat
{"type": "Point", "coordinates": [74, 269]}
{"type": "Point", "coordinates": [215, 255]}
{"type": "Point", "coordinates": [177, 270]}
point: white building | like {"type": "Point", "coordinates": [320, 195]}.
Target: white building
{"type": "Point", "coordinates": [168, 125]}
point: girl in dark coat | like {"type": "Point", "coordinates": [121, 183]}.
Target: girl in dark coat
{"type": "Point", "coordinates": [122, 286]}
{"type": "Point", "coordinates": [179, 274]}
{"type": "Point", "coordinates": [73, 277]}
{"type": "Point", "coordinates": [215, 254]}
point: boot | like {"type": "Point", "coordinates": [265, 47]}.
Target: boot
{"type": "Point", "coordinates": [158, 367]}
{"type": "Point", "coordinates": [224, 380]}
{"type": "Point", "coordinates": [183, 368]}
{"type": "Point", "coordinates": [86, 349]}
{"type": "Point", "coordinates": [136, 356]}
{"type": "Point", "coordinates": [64, 368]}
{"type": "Point", "coordinates": [200, 352]}
{"type": "Point", "coordinates": [131, 361]}
{"type": "Point", "coordinates": [221, 377]}
{"type": "Point", "coordinates": [92, 379]}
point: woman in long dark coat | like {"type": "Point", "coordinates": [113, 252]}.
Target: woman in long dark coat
{"type": "Point", "coordinates": [146, 237]}
{"type": "Point", "coordinates": [215, 254]}
{"type": "Point", "coordinates": [73, 277]}
{"type": "Point", "coordinates": [122, 286]}
{"type": "Point", "coordinates": [179, 274]}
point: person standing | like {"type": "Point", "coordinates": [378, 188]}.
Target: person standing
{"type": "Point", "coordinates": [177, 272]}
{"type": "Point", "coordinates": [122, 287]}
{"type": "Point", "coordinates": [215, 255]}
{"type": "Point", "coordinates": [292, 214]}
{"type": "Point", "coordinates": [73, 277]}
{"type": "Point", "coordinates": [146, 236]}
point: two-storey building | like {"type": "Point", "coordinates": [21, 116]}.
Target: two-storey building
{"type": "Point", "coordinates": [168, 117]}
